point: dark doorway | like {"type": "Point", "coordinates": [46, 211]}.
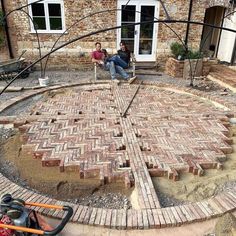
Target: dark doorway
{"type": "Point", "coordinates": [211, 36]}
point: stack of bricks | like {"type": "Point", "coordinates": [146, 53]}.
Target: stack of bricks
{"type": "Point", "coordinates": [174, 67]}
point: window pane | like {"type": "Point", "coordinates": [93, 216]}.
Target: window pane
{"type": "Point", "coordinates": [146, 30]}
{"type": "Point", "coordinates": [54, 9]}
{"type": "Point", "coordinates": [38, 9]}
{"type": "Point", "coordinates": [39, 23]}
{"type": "Point", "coordinates": [55, 23]}
{"type": "Point", "coordinates": [147, 13]}
{"type": "Point", "coordinates": [145, 47]}
{"type": "Point", "coordinates": [128, 13]}
{"type": "Point", "coordinates": [127, 31]}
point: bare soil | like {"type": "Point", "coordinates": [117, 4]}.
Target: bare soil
{"type": "Point", "coordinates": [194, 188]}
{"type": "Point", "coordinates": [60, 185]}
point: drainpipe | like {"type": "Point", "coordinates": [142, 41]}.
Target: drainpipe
{"type": "Point", "coordinates": [7, 31]}
{"type": "Point", "coordinates": [188, 25]}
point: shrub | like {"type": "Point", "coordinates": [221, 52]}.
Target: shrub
{"type": "Point", "coordinates": [194, 55]}
{"type": "Point", "coordinates": [179, 52]}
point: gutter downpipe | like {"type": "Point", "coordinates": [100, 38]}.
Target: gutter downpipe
{"type": "Point", "coordinates": [7, 31]}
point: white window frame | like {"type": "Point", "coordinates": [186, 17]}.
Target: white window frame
{"type": "Point", "coordinates": [47, 30]}
{"type": "Point", "coordinates": [139, 4]}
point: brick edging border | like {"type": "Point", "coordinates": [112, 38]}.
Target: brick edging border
{"type": "Point", "coordinates": [131, 218]}
{"type": "Point", "coordinates": [165, 86]}
{"type": "Point", "coordinates": [127, 219]}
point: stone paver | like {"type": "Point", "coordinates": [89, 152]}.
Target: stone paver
{"type": "Point", "coordinates": [164, 133]}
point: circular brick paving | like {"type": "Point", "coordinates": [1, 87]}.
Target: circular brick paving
{"type": "Point", "coordinates": [165, 132]}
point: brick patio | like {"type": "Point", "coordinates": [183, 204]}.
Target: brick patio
{"type": "Point", "coordinates": [164, 133]}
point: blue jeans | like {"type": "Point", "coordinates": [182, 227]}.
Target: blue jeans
{"type": "Point", "coordinates": [118, 61]}
{"type": "Point", "coordinates": [115, 69]}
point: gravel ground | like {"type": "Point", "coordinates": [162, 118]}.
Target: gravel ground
{"type": "Point", "coordinates": [110, 200]}
{"type": "Point", "coordinates": [56, 77]}
{"type": "Point", "coordinates": [168, 201]}
{"type": "Point", "coordinates": [226, 187]}
{"type": "Point", "coordinates": [23, 107]}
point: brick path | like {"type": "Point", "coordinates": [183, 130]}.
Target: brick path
{"type": "Point", "coordinates": [164, 133]}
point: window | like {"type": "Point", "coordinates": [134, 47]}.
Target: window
{"type": "Point", "coordinates": [48, 16]}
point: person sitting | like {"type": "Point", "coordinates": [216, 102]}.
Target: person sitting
{"type": "Point", "coordinates": [100, 57]}
{"type": "Point", "coordinates": [124, 53]}
{"type": "Point", "coordinates": [122, 58]}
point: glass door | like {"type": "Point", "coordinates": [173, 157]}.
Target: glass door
{"type": "Point", "coordinates": [128, 16]}
{"type": "Point", "coordinates": [140, 39]}
{"type": "Point", "coordinates": [146, 31]}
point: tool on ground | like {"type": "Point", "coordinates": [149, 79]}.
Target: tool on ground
{"type": "Point", "coordinates": [17, 218]}
{"type": "Point", "coordinates": [127, 108]}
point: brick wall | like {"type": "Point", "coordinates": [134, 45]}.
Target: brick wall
{"type": "Point", "coordinates": [174, 68]}
{"type": "Point", "coordinates": [4, 54]}
{"type": "Point", "coordinates": [77, 54]}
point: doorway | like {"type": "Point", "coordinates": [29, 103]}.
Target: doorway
{"type": "Point", "coordinates": [140, 39]}
{"type": "Point", "coordinates": [211, 36]}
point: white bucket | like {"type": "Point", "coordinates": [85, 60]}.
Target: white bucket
{"type": "Point", "coordinates": [44, 81]}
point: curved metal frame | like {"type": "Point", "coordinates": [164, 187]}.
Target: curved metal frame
{"type": "Point", "coordinates": [166, 22]}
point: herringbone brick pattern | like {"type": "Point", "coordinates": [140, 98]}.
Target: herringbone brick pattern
{"type": "Point", "coordinates": [138, 130]}
{"type": "Point", "coordinates": [164, 133]}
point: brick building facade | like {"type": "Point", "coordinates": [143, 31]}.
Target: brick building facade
{"type": "Point", "coordinates": [77, 54]}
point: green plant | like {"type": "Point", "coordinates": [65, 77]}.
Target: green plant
{"type": "Point", "coordinates": [194, 55]}
{"type": "Point", "coordinates": [179, 52]}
